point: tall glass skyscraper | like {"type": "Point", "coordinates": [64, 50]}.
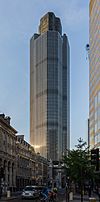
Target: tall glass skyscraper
{"type": "Point", "coordinates": [94, 74]}
{"type": "Point", "coordinates": [50, 89]}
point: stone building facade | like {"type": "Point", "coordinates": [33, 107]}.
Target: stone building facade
{"type": "Point", "coordinates": [41, 170]}
{"type": "Point", "coordinates": [20, 164]}
{"type": "Point", "coordinates": [7, 153]}
{"type": "Point", "coordinates": [26, 157]}
{"type": "Point", "coordinates": [31, 167]}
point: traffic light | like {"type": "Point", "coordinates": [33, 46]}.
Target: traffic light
{"type": "Point", "coordinates": [95, 158]}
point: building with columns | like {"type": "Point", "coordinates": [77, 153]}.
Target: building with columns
{"type": "Point", "coordinates": [20, 164]}
{"type": "Point", "coordinates": [42, 169]}
{"type": "Point", "coordinates": [25, 158]}
{"type": "Point", "coordinates": [7, 153]}
{"type": "Point", "coordinates": [31, 167]}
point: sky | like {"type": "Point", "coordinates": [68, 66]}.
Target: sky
{"type": "Point", "coordinates": [19, 20]}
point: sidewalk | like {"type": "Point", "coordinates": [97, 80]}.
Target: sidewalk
{"type": "Point", "coordinates": [13, 196]}
{"type": "Point", "coordinates": [77, 198]}
{"type": "Point", "coordinates": [8, 199]}
{"type": "Point", "coordinates": [86, 197]}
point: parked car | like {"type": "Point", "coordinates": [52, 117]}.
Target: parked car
{"type": "Point", "coordinates": [39, 188]}
{"type": "Point", "coordinates": [30, 192]}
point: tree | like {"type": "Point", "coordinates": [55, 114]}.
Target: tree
{"type": "Point", "coordinates": [78, 165]}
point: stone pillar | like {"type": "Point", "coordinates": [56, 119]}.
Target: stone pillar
{"type": "Point", "coordinates": [14, 176]}
{"type": "Point", "coordinates": [10, 176]}
{"type": "Point", "coordinates": [6, 174]}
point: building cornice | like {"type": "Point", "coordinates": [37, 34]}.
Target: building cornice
{"type": "Point", "coordinates": [6, 125]}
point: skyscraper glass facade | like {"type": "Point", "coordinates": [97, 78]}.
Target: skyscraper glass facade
{"type": "Point", "coordinates": [94, 74]}
{"type": "Point", "coordinates": [50, 89]}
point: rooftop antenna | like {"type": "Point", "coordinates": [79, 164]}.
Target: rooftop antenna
{"type": "Point", "coordinates": [87, 50]}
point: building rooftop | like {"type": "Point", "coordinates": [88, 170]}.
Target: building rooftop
{"type": "Point", "coordinates": [50, 22]}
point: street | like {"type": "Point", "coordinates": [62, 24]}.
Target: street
{"type": "Point", "coordinates": [25, 200]}
{"type": "Point", "coordinates": [59, 199]}
{"type": "Point", "coordinates": [21, 200]}
{"type": "Point", "coordinates": [17, 198]}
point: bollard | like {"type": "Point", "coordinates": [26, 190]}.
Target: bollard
{"type": "Point", "coordinates": [92, 199]}
{"type": "Point", "coordinates": [8, 194]}
{"type": "Point", "coordinates": [71, 196]}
